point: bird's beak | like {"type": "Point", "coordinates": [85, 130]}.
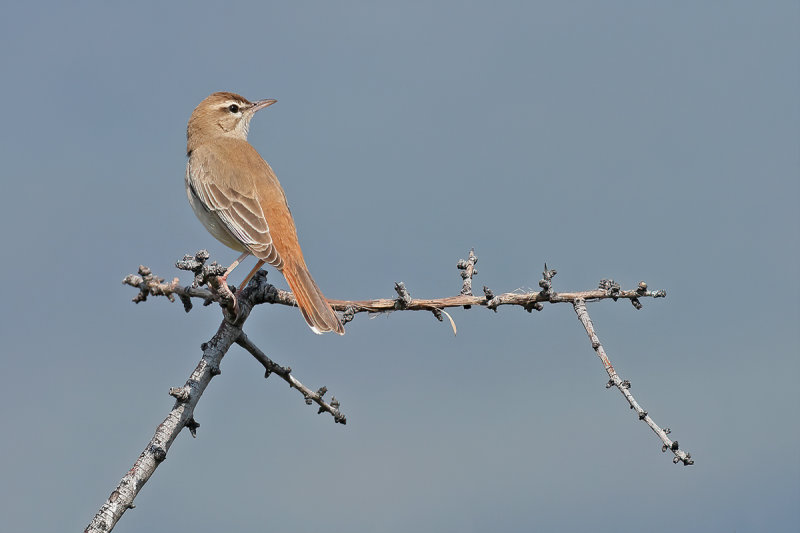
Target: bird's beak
{"type": "Point", "coordinates": [261, 104]}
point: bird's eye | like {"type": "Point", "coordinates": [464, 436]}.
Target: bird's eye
{"type": "Point", "coordinates": [233, 108]}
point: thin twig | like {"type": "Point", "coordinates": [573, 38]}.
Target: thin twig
{"type": "Point", "coordinates": [468, 271]}
{"type": "Point", "coordinates": [624, 387]}
{"type": "Point", "coordinates": [285, 373]}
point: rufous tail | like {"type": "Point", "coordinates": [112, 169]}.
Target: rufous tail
{"type": "Point", "coordinates": [315, 308]}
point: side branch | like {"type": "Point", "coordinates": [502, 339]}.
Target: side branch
{"type": "Point", "coordinates": [526, 300]}
{"type": "Point", "coordinates": [624, 388]}
{"type": "Point", "coordinates": [285, 373]}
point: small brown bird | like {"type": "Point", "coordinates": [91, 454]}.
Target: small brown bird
{"type": "Point", "coordinates": [237, 197]}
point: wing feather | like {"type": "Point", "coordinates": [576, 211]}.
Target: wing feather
{"type": "Point", "coordinates": [232, 199]}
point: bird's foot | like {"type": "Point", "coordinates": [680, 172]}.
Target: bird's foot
{"type": "Point", "coordinates": [235, 307]}
{"type": "Point", "coordinates": [227, 299]}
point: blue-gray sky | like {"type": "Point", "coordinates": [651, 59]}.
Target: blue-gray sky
{"type": "Point", "coordinates": [631, 140]}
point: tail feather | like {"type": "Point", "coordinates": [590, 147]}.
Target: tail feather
{"type": "Point", "coordinates": [312, 303]}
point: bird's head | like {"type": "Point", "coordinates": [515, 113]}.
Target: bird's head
{"type": "Point", "coordinates": [222, 115]}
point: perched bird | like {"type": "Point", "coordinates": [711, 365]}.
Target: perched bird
{"type": "Point", "coordinates": [237, 197]}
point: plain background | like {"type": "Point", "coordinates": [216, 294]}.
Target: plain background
{"type": "Point", "coordinates": [625, 140]}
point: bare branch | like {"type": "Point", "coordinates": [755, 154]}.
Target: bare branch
{"type": "Point", "coordinates": [625, 386]}
{"type": "Point", "coordinates": [187, 396]}
{"type": "Point", "coordinates": [259, 292]}
{"type": "Point", "coordinates": [527, 300]}
{"type": "Point", "coordinates": [181, 415]}
{"type": "Point", "coordinates": [286, 374]}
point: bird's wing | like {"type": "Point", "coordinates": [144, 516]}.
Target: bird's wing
{"type": "Point", "coordinates": [230, 194]}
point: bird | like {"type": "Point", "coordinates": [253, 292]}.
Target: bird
{"type": "Point", "coordinates": [239, 200]}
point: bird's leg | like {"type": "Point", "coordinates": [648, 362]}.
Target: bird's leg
{"type": "Point", "coordinates": [223, 281]}
{"type": "Point", "coordinates": [241, 258]}
{"type": "Point", "coordinates": [250, 276]}
{"type": "Point", "coordinates": [224, 278]}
